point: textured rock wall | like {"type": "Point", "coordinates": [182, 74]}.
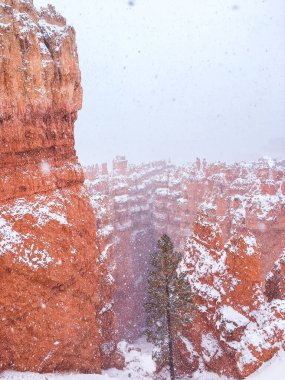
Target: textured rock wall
{"type": "Point", "coordinates": [275, 280]}
{"type": "Point", "coordinates": [237, 325]}
{"type": "Point", "coordinates": [51, 289]}
{"type": "Point", "coordinates": [107, 257]}
{"type": "Point", "coordinates": [40, 96]}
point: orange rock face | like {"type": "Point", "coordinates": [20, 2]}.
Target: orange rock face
{"type": "Point", "coordinates": [50, 298]}
{"type": "Point", "coordinates": [245, 328]}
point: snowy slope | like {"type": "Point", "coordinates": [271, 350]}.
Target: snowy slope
{"type": "Point", "coordinates": [139, 366]}
{"type": "Point", "coordinates": [33, 376]}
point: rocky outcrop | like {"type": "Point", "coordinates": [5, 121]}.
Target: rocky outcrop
{"type": "Point", "coordinates": [275, 280]}
{"type": "Point", "coordinates": [49, 260]}
{"type": "Point", "coordinates": [237, 324]}
{"type": "Point", "coordinates": [105, 241]}
{"type": "Point", "coordinates": [40, 97]}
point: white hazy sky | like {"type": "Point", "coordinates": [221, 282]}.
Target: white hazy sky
{"type": "Point", "coordinates": [179, 78]}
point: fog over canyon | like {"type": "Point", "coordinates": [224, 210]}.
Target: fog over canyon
{"type": "Point", "coordinates": [180, 79]}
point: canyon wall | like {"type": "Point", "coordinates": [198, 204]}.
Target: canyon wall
{"type": "Point", "coordinates": [236, 328]}
{"type": "Point", "coordinates": [68, 293]}
{"type": "Point", "coordinates": [52, 290]}
{"type": "Point", "coordinates": [215, 214]}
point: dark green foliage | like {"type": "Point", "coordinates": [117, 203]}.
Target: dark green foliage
{"type": "Point", "coordinates": [169, 303]}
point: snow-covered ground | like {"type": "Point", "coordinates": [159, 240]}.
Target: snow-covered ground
{"type": "Point", "coordinates": [272, 370]}
{"type": "Point", "coordinates": [33, 376]}
{"type": "Point", "coordinates": [139, 363]}
{"type": "Point", "coordinates": [140, 366]}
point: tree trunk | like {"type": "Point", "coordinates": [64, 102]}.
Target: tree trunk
{"type": "Point", "coordinates": [170, 341]}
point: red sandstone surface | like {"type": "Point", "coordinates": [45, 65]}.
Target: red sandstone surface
{"type": "Point", "coordinates": [52, 293]}
{"type": "Point", "coordinates": [228, 220]}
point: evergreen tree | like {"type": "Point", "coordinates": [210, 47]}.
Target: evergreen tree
{"type": "Point", "coordinates": [169, 303]}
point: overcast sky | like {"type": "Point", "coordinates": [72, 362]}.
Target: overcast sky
{"type": "Point", "coordinates": [179, 78]}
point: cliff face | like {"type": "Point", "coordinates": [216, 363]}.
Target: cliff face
{"type": "Point", "coordinates": [49, 270]}
{"type": "Point", "coordinates": [39, 99]}
{"type": "Point", "coordinates": [228, 220]}
{"type": "Point", "coordinates": [234, 322]}
{"type": "Point", "coordinates": [106, 246]}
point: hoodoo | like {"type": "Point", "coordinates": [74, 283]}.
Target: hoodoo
{"type": "Point", "coordinates": [49, 270]}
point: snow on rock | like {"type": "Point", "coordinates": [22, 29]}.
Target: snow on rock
{"type": "Point", "coordinates": [211, 347]}
{"type": "Point", "coordinates": [227, 287]}
{"type": "Point", "coordinates": [232, 318]}
{"type": "Point", "coordinates": [139, 364]}
{"type": "Point", "coordinates": [105, 231]}
{"type": "Point", "coordinates": [50, 275]}
{"type": "Point", "coordinates": [38, 213]}
{"type": "Point", "coordinates": [52, 376]}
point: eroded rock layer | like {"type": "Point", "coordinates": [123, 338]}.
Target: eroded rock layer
{"type": "Point", "coordinates": [236, 328]}
{"type": "Point", "coordinates": [228, 220]}
{"type": "Point", "coordinates": [49, 261]}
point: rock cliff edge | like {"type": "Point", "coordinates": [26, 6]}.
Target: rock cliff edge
{"type": "Point", "coordinates": [49, 272]}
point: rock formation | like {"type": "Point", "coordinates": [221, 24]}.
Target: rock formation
{"type": "Point", "coordinates": [275, 280]}
{"type": "Point", "coordinates": [237, 325]}
{"type": "Point", "coordinates": [51, 299]}
{"type": "Point", "coordinates": [232, 217]}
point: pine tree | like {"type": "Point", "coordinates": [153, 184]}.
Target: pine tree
{"type": "Point", "coordinates": [169, 303]}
